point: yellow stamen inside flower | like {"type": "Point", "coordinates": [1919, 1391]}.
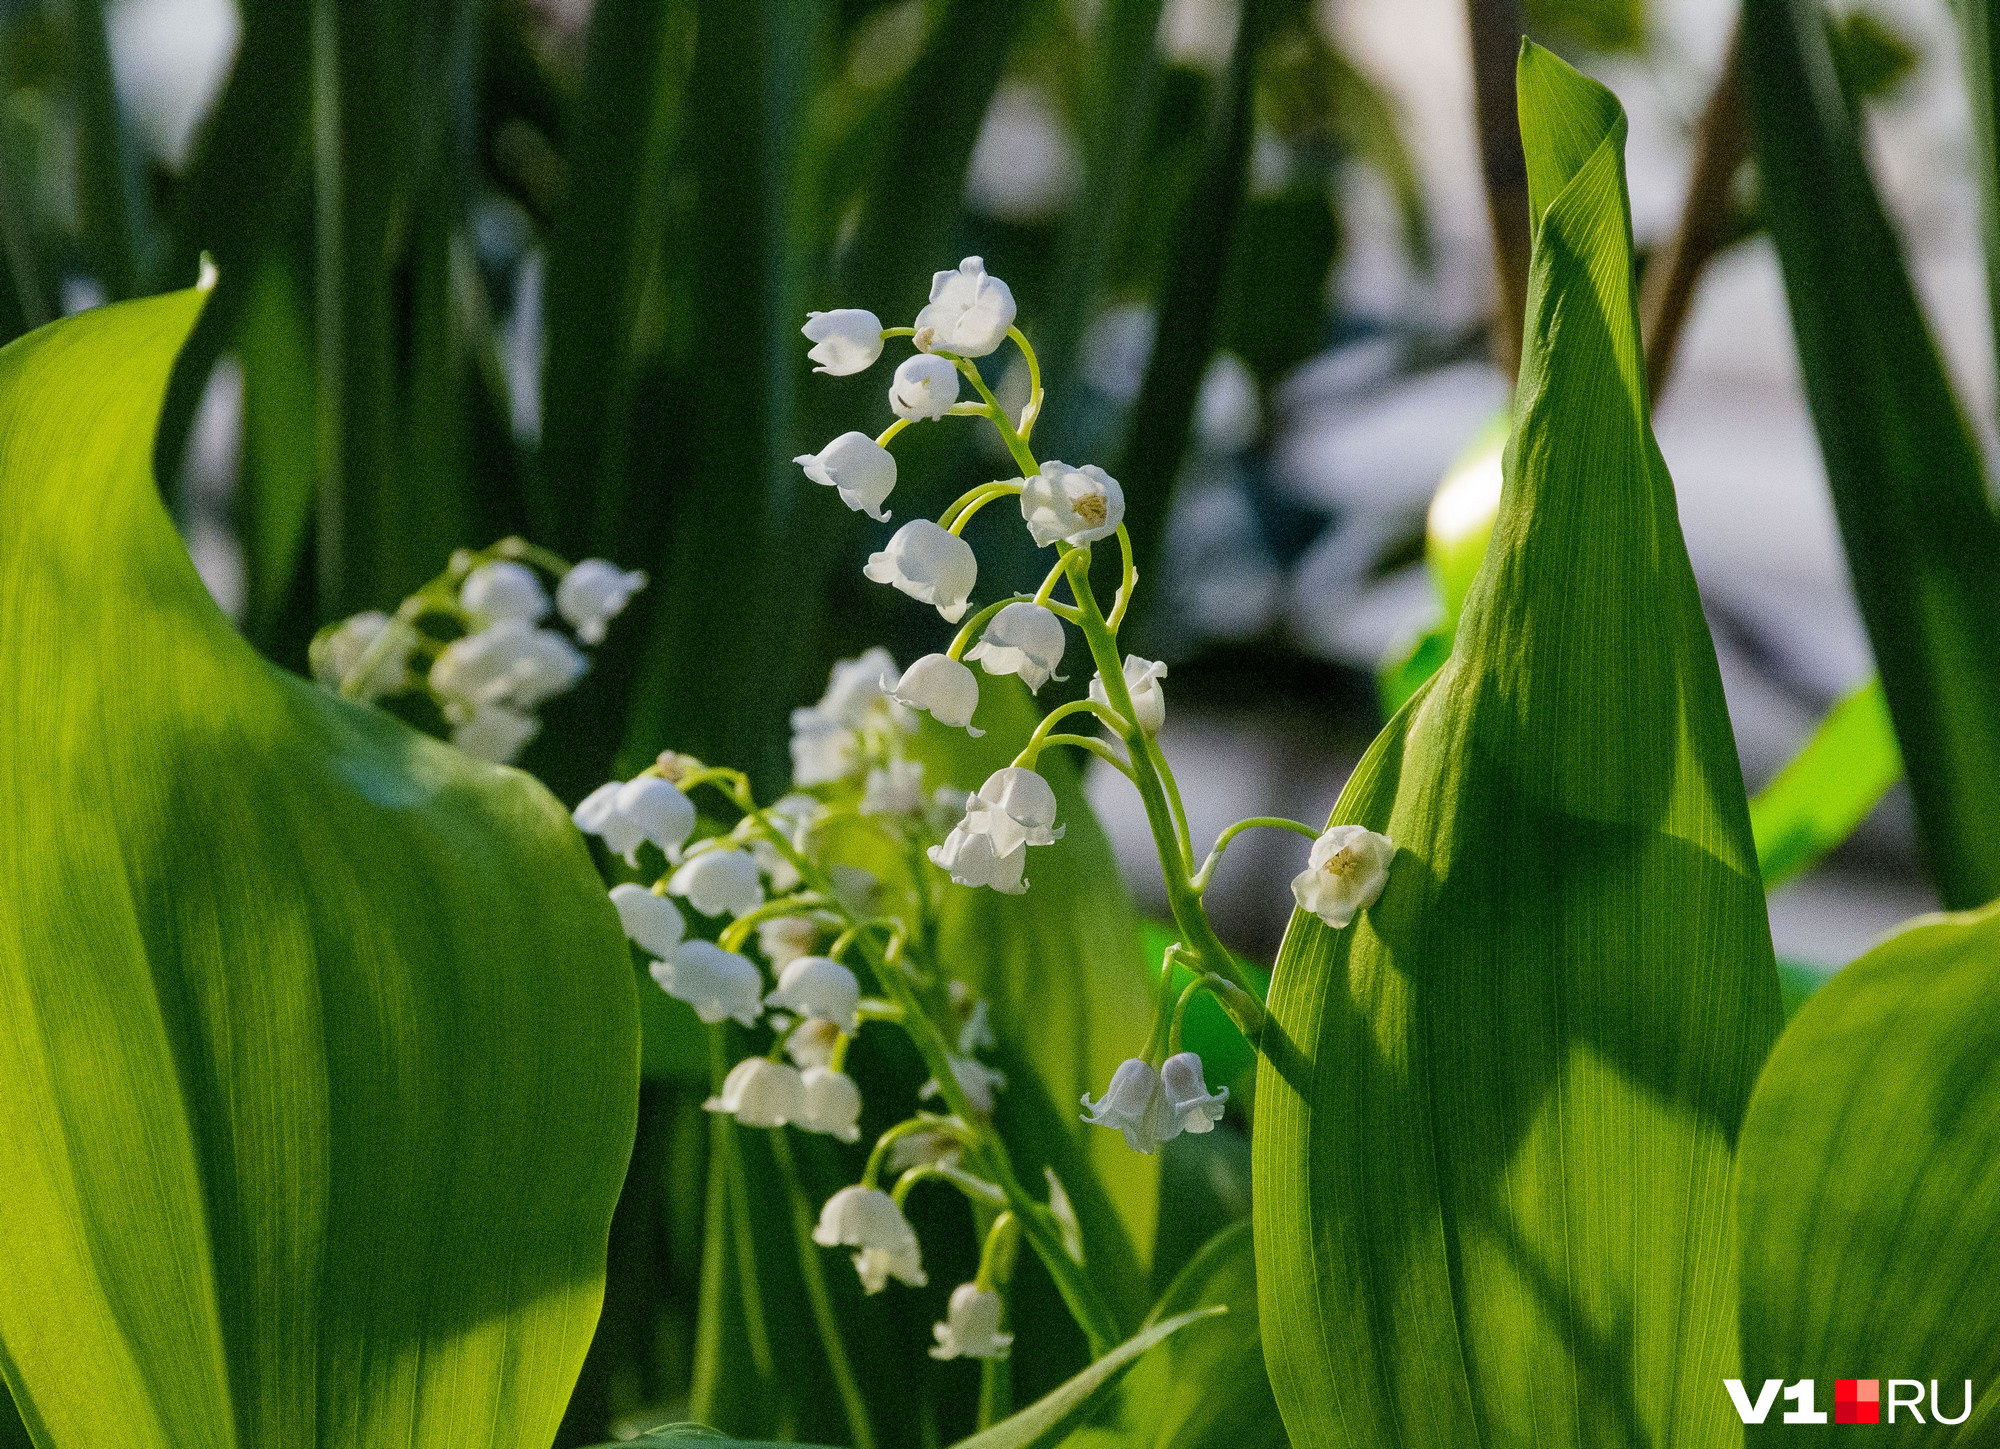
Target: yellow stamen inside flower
{"type": "Point", "coordinates": [1090, 508]}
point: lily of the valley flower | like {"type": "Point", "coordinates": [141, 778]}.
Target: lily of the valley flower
{"type": "Point", "coordinates": [969, 311]}
{"type": "Point", "coordinates": [783, 939]}
{"type": "Point", "coordinates": [824, 751]}
{"type": "Point", "coordinates": [929, 564]}
{"type": "Point", "coordinates": [894, 788]}
{"type": "Point", "coordinates": [598, 814]}
{"type": "Point", "coordinates": [1149, 700]}
{"type": "Point", "coordinates": [593, 593]}
{"type": "Point", "coordinates": [860, 469]}
{"type": "Point", "coordinates": [945, 688]}
{"type": "Point", "coordinates": [1022, 808]}
{"type": "Point", "coordinates": [846, 340]}
{"type": "Point", "coordinates": [811, 1043]}
{"type": "Point", "coordinates": [663, 814]}
{"type": "Point", "coordinates": [503, 589]}
{"type": "Point", "coordinates": [1025, 639]}
{"type": "Point", "coordinates": [651, 922]}
{"type": "Point", "coordinates": [924, 389]}
{"type": "Point", "coordinates": [832, 1104]}
{"type": "Point", "coordinates": [760, 1093]}
{"type": "Point", "coordinates": [1069, 505]}
{"type": "Point", "coordinates": [1345, 873]}
{"type": "Point", "coordinates": [495, 732]}
{"type": "Point", "coordinates": [968, 854]}
{"type": "Point", "coordinates": [719, 882]}
{"type": "Point", "coordinates": [718, 984]}
{"type": "Point", "coordinates": [339, 652]}
{"type": "Point", "coordinates": [977, 1080]}
{"type": "Point", "coordinates": [971, 1327]}
{"type": "Point", "coordinates": [820, 986]}
{"type": "Point", "coordinates": [1191, 1107]}
{"type": "Point", "coordinates": [512, 663]}
{"type": "Point", "coordinates": [1133, 1104]}
{"type": "Point", "coordinates": [868, 1219]}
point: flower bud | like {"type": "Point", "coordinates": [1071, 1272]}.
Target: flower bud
{"type": "Point", "coordinates": [924, 389]}
{"type": "Point", "coordinates": [930, 564]}
{"type": "Point", "coordinates": [1344, 874]}
{"type": "Point", "coordinates": [846, 340]}
{"type": "Point", "coordinates": [1191, 1107]}
{"type": "Point", "coordinates": [760, 1093]}
{"type": "Point", "coordinates": [503, 589]}
{"type": "Point", "coordinates": [861, 470]}
{"type": "Point", "coordinates": [974, 1078]}
{"type": "Point", "coordinates": [832, 1104]}
{"type": "Point", "coordinates": [1071, 505]}
{"type": "Point", "coordinates": [1133, 1104]}
{"type": "Point", "coordinates": [969, 311]}
{"type": "Point", "coordinates": [943, 687]}
{"type": "Point", "coordinates": [663, 814]}
{"type": "Point", "coordinates": [718, 984]}
{"type": "Point", "coordinates": [595, 592]}
{"type": "Point", "coordinates": [1025, 801]}
{"type": "Point", "coordinates": [822, 987]}
{"type": "Point", "coordinates": [1025, 639]}
{"type": "Point", "coordinates": [1142, 679]}
{"type": "Point", "coordinates": [719, 882]}
{"type": "Point", "coordinates": [651, 922]}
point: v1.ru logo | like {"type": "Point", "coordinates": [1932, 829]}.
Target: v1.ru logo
{"type": "Point", "coordinates": [1855, 1401]}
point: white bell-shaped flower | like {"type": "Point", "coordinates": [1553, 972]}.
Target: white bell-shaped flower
{"type": "Point", "coordinates": [340, 652]}
{"type": "Point", "coordinates": [1345, 873]}
{"type": "Point", "coordinates": [718, 984]}
{"type": "Point", "coordinates": [811, 1043]}
{"type": "Point", "coordinates": [1025, 639]}
{"type": "Point", "coordinates": [651, 922]}
{"type": "Point", "coordinates": [719, 882]}
{"type": "Point", "coordinates": [512, 663]}
{"type": "Point", "coordinates": [930, 564]}
{"type": "Point", "coordinates": [977, 1080]}
{"type": "Point", "coordinates": [824, 751]}
{"type": "Point", "coordinates": [599, 815]}
{"type": "Point", "coordinates": [868, 1219]}
{"type": "Point", "coordinates": [593, 593]}
{"type": "Point", "coordinates": [659, 809]}
{"type": "Point", "coordinates": [1135, 1105]}
{"type": "Point", "coordinates": [845, 341]}
{"type": "Point", "coordinates": [1149, 700]}
{"type": "Point", "coordinates": [783, 939]}
{"type": "Point", "coordinates": [944, 688]}
{"type": "Point", "coordinates": [860, 469]}
{"type": "Point", "coordinates": [969, 312]}
{"type": "Point", "coordinates": [503, 589]}
{"type": "Point", "coordinates": [895, 788]}
{"type": "Point", "coordinates": [495, 732]}
{"type": "Point", "coordinates": [924, 389]}
{"type": "Point", "coordinates": [761, 1093]}
{"type": "Point", "coordinates": [975, 1032]}
{"type": "Point", "coordinates": [1025, 802]}
{"type": "Point", "coordinates": [969, 855]}
{"type": "Point", "coordinates": [1071, 505]}
{"type": "Point", "coordinates": [857, 689]}
{"type": "Point", "coordinates": [1191, 1107]}
{"type": "Point", "coordinates": [832, 1104]}
{"type": "Point", "coordinates": [971, 1327]}
{"type": "Point", "coordinates": [820, 986]}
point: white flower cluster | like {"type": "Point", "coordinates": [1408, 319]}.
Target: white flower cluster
{"type": "Point", "coordinates": [504, 662]}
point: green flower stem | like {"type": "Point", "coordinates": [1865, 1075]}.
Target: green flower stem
{"type": "Point", "coordinates": [742, 1238]}
{"type": "Point", "coordinates": [977, 1190]}
{"type": "Point", "coordinates": [888, 332]}
{"type": "Point", "coordinates": [996, 1258]}
{"type": "Point", "coordinates": [1056, 716]}
{"type": "Point", "coordinates": [852, 1402]}
{"type": "Point", "coordinates": [1163, 1009]}
{"type": "Point", "coordinates": [922, 1122]}
{"type": "Point", "coordinates": [1272, 822]}
{"type": "Point", "coordinates": [547, 560]}
{"type": "Point", "coordinates": [738, 931]}
{"type": "Point", "coordinates": [1242, 1007]}
{"type": "Point", "coordinates": [1098, 748]}
{"type": "Point", "coordinates": [1128, 581]}
{"type": "Point", "coordinates": [974, 499]}
{"type": "Point", "coordinates": [888, 434]}
{"type": "Point", "coordinates": [1034, 408]}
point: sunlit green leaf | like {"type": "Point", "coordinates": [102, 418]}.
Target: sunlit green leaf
{"type": "Point", "coordinates": [1864, 1204]}
{"type": "Point", "coordinates": [1494, 1119]}
{"type": "Point", "coordinates": [317, 1039]}
{"type": "Point", "coordinates": [1827, 789]}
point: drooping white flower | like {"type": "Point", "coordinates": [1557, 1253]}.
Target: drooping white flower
{"type": "Point", "coordinates": [1133, 1104]}
{"type": "Point", "coordinates": [1071, 505]}
{"type": "Point", "coordinates": [339, 652]}
{"type": "Point", "coordinates": [511, 663]}
{"type": "Point", "coordinates": [1025, 639]}
{"type": "Point", "coordinates": [503, 589]}
{"type": "Point", "coordinates": [926, 1147]}
{"type": "Point", "coordinates": [761, 1093]}
{"type": "Point", "coordinates": [663, 814]}
{"type": "Point", "coordinates": [857, 689]}
{"type": "Point", "coordinates": [495, 732]}
{"type": "Point", "coordinates": [811, 1043]}
{"type": "Point", "coordinates": [824, 751]}
{"type": "Point", "coordinates": [820, 986]}
{"type": "Point", "coordinates": [930, 564]}
{"type": "Point", "coordinates": [784, 939]}
{"type": "Point", "coordinates": [1191, 1107]}
{"type": "Point", "coordinates": [969, 311]}
{"type": "Point", "coordinates": [945, 688]}
{"type": "Point", "coordinates": [1149, 700]}
{"type": "Point", "coordinates": [599, 815]}
{"type": "Point", "coordinates": [968, 854]}
{"type": "Point", "coordinates": [651, 921]}
{"type": "Point", "coordinates": [971, 1327]}
{"type": "Point", "coordinates": [832, 1104]}
{"type": "Point", "coordinates": [1025, 805]}
{"type": "Point", "coordinates": [593, 593]}
{"type": "Point", "coordinates": [1345, 873]}
{"type": "Point", "coordinates": [977, 1080]}
{"type": "Point", "coordinates": [846, 340]}
{"type": "Point", "coordinates": [894, 788]}
{"type": "Point", "coordinates": [975, 1032]}
{"type": "Point", "coordinates": [868, 1219]}
{"type": "Point", "coordinates": [924, 389]}
{"type": "Point", "coordinates": [719, 882]}
{"type": "Point", "coordinates": [861, 470]}
{"type": "Point", "coordinates": [716, 983]}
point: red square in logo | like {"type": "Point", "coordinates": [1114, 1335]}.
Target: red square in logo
{"type": "Point", "coordinates": [1857, 1401]}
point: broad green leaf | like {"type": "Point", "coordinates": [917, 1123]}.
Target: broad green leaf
{"type": "Point", "coordinates": [1866, 1183]}
{"type": "Point", "coordinates": [318, 1050]}
{"type": "Point", "coordinates": [280, 450]}
{"type": "Point", "coordinates": [1495, 1114]}
{"type": "Point", "coordinates": [1922, 539]}
{"type": "Point", "coordinates": [1827, 789]}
